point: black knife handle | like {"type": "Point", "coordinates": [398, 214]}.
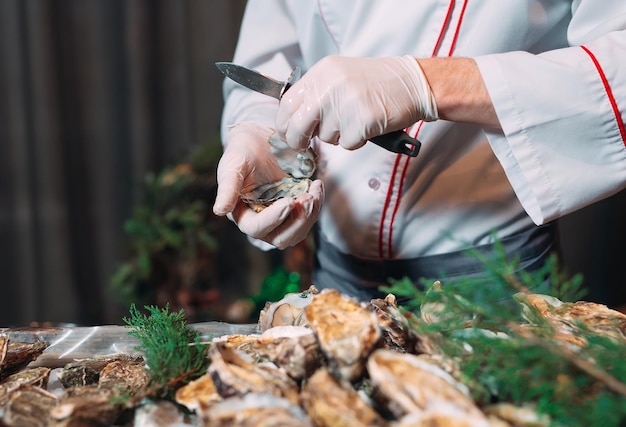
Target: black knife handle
{"type": "Point", "coordinates": [398, 142]}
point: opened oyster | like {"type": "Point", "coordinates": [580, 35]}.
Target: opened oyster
{"type": "Point", "coordinates": [288, 311]}
{"type": "Point", "coordinates": [299, 166]}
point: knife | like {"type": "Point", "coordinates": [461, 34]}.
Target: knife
{"type": "Point", "coordinates": [397, 141]}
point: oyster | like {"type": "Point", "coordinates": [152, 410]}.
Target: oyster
{"type": "Point", "coordinates": [88, 371]}
{"type": "Point", "coordinates": [292, 348]}
{"type": "Point", "coordinates": [397, 333]}
{"type": "Point", "coordinates": [16, 355]}
{"type": "Point", "coordinates": [449, 417]}
{"type": "Point", "coordinates": [288, 311]}
{"type": "Point", "coordinates": [85, 406]}
{"type": "Point", "coordinates": [331, 402]}
{"type": "Point", "coordinates": [124, 375]}
{"type": "Point", "coordinates": [161, 413]}
{"type": "Point", "coordinates": [264, 195]}
{"type": "Point", "coordinates": [28, 406]}
{"type": "Point", "coordinates": [254, 410]}
{"type": "Point", "coordinates": [568, 318]}
{"type": "Point", "coordinates": [299, 166]}
{"type": "Point", "coordinates": [235, 373]}
{"type": "Point", "coordinates": [200, 392]}
{"type": "Point", "coordinates": [517, 415]}
{"type": "Point", "coordinates": [407, 384]}
{"type": "Point", "coordinates": [36, 377]}
{"type": "Point", "coordinates": [347, 332]}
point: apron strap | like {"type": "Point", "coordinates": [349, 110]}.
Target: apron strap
{"type": "Point", "coordinates": [360, 277]}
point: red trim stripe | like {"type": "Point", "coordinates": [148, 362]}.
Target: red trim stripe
{"type": "Point", "coordinates": [387, 203]}
{"type": "Point", "coordinates": [609, 93]}
{"type": "Point", "coordinates": [458, 28]}
{"type": "Point", "coordinates": [405, 167]}
{"type": "Point", "coordinates": [381, 251]}
{"type": "Point", "coordinates": [446, 21]}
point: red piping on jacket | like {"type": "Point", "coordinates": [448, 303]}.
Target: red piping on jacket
{"type": "Point", "coordinates": [381, 251]}
{"type": "Point", "coordinates": [609, 93]}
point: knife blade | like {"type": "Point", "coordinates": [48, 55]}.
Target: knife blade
{"type": "Point", "coordinates": [397, 141]}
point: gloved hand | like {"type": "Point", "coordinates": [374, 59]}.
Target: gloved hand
{"type": "Point", "coordinates": [346, 101]}
{"type": "Point", "coordinates": [247, 163]}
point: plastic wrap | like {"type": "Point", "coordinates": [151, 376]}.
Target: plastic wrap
{"type": "Point", "coordinates": [67, 344]}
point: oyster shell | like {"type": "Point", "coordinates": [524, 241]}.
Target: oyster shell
{"type": "Point", "coordinates": [397, 333]}
{"type": "Point", "coordinates": [36, 377]}
{"type": "Point", "coordinates": [568, 318]}
{"type": "Point", "coordinates": [28, 406]}
{"type": "Point", "coordinates": [517, 415]}
{"type": "Point", "coordinates": [347, 332]}
{"type": "Point", "coordinates": [200, 392]}
{"type": "Point", "coordinates": [16, 355]}
{"type": "Point", "coordinates": [88, 371]}
{"type": "Point", "coordinates": [235, 373]}
{"type": "Point", "coordinates": [292, 348]}
{"type": "Point", "coordinates": [407, 384]}
{"type": "Point", "coordinates": [124, 375]}
{"type": "Point", "coordinates": [254, 410]}
{"type": "Point", "coordinates": [297, 164]}
{"type": "Point", "coordinates": [87, 405]}
{"type": "Point", "coordinates": [160, 413]}
{"type": "Point", "coordinates": [449, 417]}
{"type": "Point", "coordinates": [331, 402]}
{"type": "Point", "coordinates": [288, 311]}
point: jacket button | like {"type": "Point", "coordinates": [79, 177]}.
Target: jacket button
{"type": "Point", "coordinates": [374, 184]}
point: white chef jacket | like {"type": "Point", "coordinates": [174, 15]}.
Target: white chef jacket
{"type": "Point", "coordinates": [555, 71]}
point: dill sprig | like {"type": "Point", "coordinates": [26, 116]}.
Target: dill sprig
{"type": "Point", "coordinates": [171, 348]}
{"type": "Point", "coordinates": [507, 352]}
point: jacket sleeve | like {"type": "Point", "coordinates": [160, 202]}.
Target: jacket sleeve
{"type": "Point", "coordinates": [562, 113]}
{"type": "Point", "coordinates": [260, 47]}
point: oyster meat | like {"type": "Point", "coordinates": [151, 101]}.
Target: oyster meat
{"type": "Point", "coordinates": [264, 195]}
{"type": "Point", "coordinates": [288, 311]}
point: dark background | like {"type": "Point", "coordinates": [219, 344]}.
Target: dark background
{"type": "Point", "coordinates": [96, 93]}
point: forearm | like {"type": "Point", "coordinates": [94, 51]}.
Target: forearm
{"type": "Point", "coordinates": [459, 91]}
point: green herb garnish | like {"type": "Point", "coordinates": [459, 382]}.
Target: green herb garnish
{"type": "Point", "coordinates": [508, 352]}
{"type": "Point", "coordinates": [171, 348]}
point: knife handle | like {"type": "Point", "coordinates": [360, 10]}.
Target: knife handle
{"type": "Point", "coordinates": [398, 142]}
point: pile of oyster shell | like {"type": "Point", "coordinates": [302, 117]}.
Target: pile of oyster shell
{"type": "Point", "coordinates": [318, 359]}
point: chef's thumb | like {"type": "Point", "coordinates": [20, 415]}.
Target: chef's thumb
{"type": "Point", "coordinates": [229, 183]}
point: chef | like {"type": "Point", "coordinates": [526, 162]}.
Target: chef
{"type": "Point", "coordinates": [514, 103]}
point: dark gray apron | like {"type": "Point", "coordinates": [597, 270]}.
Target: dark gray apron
{"type": "Point", "coordinates": [360, 277]}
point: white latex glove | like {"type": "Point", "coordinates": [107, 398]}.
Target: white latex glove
{"type": "Point", "coordinates": [246, 163]}
{"type": "Point", "coordinates": [346, 101]}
